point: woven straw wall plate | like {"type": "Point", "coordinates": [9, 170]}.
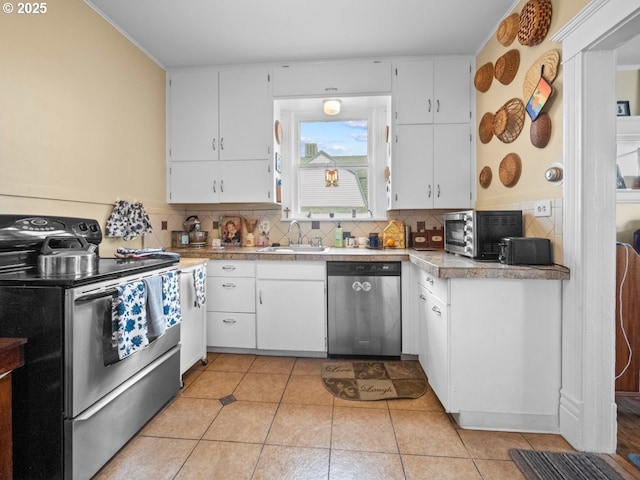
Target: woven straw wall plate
{"type": "Point", "coordinates": [484, 77]}
{"type": "Point", "coordinates": [510, 170]}
{"type": "Point", "coordinates": [535, 19]}
{"type": "Point", "coordinates": [485, 130]}
{"type": "Point", "coordinates": [549, 60]}
{"type": "Point", "coordinates": [540, 131]}
{"type": "Point", "coordinates": [508, 29]}
{"type": "Point", "coordinates": [507, 66]}
{"type": "Point", "coordinates": [486, 175]}
{"type": "Point", "coordinates": [509, 120]}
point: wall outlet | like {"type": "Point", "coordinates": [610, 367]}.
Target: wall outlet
{"type": "Point", "coordinates": [315, 225]}
{"type": "Point", "coordinates": [542, 208]}
{"type": "Point", "coordinates": [164, 225]}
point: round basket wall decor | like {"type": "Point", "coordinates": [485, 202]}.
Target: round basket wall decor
{"type": "Point", "coordinates": [535, 19]}
{"type": "Point", "coordinates": [510, 170]}
{"type": "Point", "coordinates": [507, 66]}
{"type": "Point", "coordinates": [509, 120]}
{"type": "Point", "coordinates": [508, 29]}
{"type": "Point", "coordinates": [549, 60]}
{"type": "Point", "coordinates": [486, 175]}
{"type": "Point", "coordinates": [540, 131]}
{"type": "Point", "coordinates": [485, 130]}
{"type": "Point", "coordinates": [484, 77]}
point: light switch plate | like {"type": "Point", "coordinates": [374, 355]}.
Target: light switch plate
{"type": "Point", "coordinates": [542, 208]}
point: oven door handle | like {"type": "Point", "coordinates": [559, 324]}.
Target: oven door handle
{"type": "Point", "coordinates": [93, 296]}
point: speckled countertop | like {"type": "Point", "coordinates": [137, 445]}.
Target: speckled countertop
{"type": "Point", "coordinates": [437, 263]}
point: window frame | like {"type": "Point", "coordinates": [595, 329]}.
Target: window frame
{"type": "Point", "coordinates": [378, 157]}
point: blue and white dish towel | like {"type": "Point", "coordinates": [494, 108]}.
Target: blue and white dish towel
{"type": "Point", "coordinates": [171, 298]}
{"type": "Point", "coordinates": [129, 316]}
{"type": "Point", "coordinates": [199, 279]}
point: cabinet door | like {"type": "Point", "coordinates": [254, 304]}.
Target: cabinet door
{"type": "Point", "coordinates": [414, 92]}
{"type": "Point", "coordinates": [412, 167]}
{"type": "Point", "coordinates": [193, 116]}
{"type": "Point", "coordinates": [423, 356]}
{"type": "Point", "coordinates": [246, 181]}
{"type": "Point", "coordinates": [452, 166]}
{"type": "Point", "coordinates": [193, 182]}
{"type": "Point", "coordinates": [291, 315]}
{"type": "Point", "coordinates": [437, 348]}
{"type": "Point", "coordinates": [245, 114]}
{"type": "Point", "coordinates": [451, 87]}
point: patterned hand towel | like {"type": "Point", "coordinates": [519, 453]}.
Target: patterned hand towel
{"type": "Point", "coordinates": [171, 298]}
{"type": "Point", "coordinates": [128, 313]}
{"type": "Point", "coordinates": [199, 283]}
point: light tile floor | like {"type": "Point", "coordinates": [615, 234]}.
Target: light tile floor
{"type": "Point", "coordinates": [285, 425]}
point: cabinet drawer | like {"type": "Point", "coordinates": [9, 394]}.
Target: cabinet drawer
{"type": "Point", "coordinates": [231, 294]}
{"type": "Point", "coordinates": [436, 286]}
{"type": "Point", "coordinates": [231, 268]}
{"type": "Point", "coordinates": [237, 330]}
{"type": "Point", "coordinates": [297, 270]}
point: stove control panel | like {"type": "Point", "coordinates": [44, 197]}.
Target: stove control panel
{"type": "Point", "coordinates": [21, 232]}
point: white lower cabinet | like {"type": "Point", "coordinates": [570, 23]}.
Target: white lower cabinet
{"type": "Point", "coordinates": [193, 327]}
{"type": "Point", "coordinates": [291, 306]}
{"type": "Point", "coordinates": [231, 309]}
{"type": "Point", "coordinates": [491, 350]}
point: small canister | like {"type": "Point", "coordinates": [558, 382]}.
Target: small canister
{"type": "Point", "coordinates": [179, 238]}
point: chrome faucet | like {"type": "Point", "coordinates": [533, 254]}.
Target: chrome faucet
{"type": "Point", "coordinates": [295, 222]}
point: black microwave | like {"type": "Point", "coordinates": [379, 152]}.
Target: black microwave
{"type": "Point", "coordinates": [479, 233]}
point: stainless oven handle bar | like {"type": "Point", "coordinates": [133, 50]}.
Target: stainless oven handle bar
{"type": "Point", "coordinates": [92, 296]}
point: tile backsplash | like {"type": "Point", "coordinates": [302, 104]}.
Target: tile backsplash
{"type": "Point", "coordinates": [547, 227]}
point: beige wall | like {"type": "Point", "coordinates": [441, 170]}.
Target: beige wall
{"type": "Point", "coordinates": [82, 121]}
{"type": "Point", "coordinates": [628, 88]}
{"type": "Point", "coordinates": [532, 184]}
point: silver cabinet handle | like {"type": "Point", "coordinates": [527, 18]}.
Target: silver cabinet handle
{"type": "Point", "coordinates": [429, 194]}
{"type": "Point", "coordinates": [228, 268]}
{"type": "Point", "coordinates": [428, 280]}
{"type": "Point", "coordinates": [260, 297]}
{"type": "Point", "coordinates": [222, 185]}
{"type": "Point", "coordinates": [438, 190]}
{"type": "Point", "coordinates": [423, 298]}
{"type": "Point", "coordinates": [436, 310]}
{"type": "Point", "coordinates": [213, 143]}
{"type": "Point", "coordinates": [221, 143]}
{"type": "Point", "coordinates": [429, 105]}
{"type": "Point", "coordinates": [438, 106]}
{"type": "Point", "coordinates": [229, 320]}
{"type": "Point", "coordinates": [214, 186]}
{"type": "Point", "coordinates": [229, 285]}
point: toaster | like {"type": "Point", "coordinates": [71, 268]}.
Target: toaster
{"type": "Point", "coordinates": [525, 251]}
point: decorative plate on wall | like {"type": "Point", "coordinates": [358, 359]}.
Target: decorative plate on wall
{"type": "Point", "coordinates": [486, 175]}
{"type": "Point", "coordinates": [510, 170]}
{"type": "Point", "coordinates": [278, 131]}
{"type": "Point", "coordinates": [546, 65]}
{"type": "Point", "coordinates": [535, 19]}
{"type": "Point", "coordinates": [508, 29]}
{"type": "Point", "coordinates": [485, 129]}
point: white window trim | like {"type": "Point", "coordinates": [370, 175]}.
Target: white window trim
{"type": "Point", "coordinates": [377, 152]}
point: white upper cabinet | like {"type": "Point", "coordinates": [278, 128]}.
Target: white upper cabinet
{"type": "Point", "coordinates": [433, 91]}
{"type": "Point", "coordinates": [245, 114]}
{"type": "Point", "coordinates": [193, 115]}
{"type": "Point", "coordinates": [332, 79]}
{"type": "Point", "coordinates": [220, 136]}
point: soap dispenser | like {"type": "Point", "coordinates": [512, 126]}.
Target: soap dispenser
{"type": "Point", "coordinates": [339, 236]}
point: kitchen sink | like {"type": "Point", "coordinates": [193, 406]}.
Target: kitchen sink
{"type": "Point", "coordinates": [294, 249]}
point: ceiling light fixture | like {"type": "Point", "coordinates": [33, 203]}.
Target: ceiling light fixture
{"type": "Point", "coordinates": [331, 107]}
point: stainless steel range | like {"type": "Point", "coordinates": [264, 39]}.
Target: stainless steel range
{"type": "Point", "coordinates": [76, 402]}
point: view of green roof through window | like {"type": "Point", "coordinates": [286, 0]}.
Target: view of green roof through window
{"type": "Point", "coordinates": [333, 170]}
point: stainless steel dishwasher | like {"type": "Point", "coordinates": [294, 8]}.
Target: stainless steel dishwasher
{"type": "Point", "coordinates": [364, 309]}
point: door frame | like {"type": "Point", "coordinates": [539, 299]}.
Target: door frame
{"type": "Point", "coordinates": [587, 397]}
